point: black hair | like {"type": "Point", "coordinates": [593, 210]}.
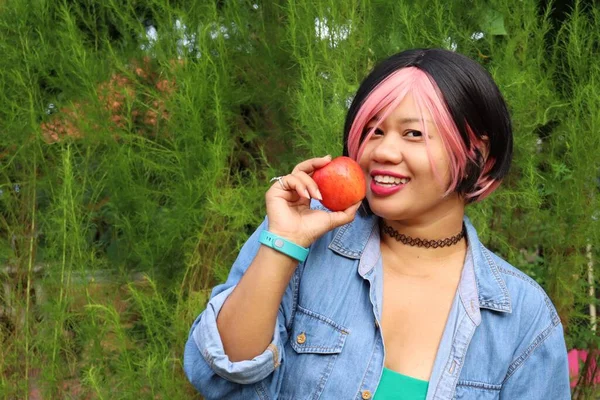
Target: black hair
{"type": "Point", "coordinates": [472, 97]}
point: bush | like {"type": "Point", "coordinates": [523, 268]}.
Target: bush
{"type": "Point", "coordinates": [138, 139]}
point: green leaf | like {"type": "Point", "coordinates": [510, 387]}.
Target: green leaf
{"type": "Point", "coordinates": [492, 22]}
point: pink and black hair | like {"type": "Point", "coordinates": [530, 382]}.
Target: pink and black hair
{"type": "Point", "coordinates": [465, 103]}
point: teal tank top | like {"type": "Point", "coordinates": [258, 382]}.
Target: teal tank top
{"type": "Point", "coordinates": [395, 386]}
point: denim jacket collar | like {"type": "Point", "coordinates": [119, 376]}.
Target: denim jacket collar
{"type": "Point", "coordinates": [481, 282]}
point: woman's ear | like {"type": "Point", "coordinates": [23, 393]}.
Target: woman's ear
{"type": "Point", "coordinates": [485, 151]}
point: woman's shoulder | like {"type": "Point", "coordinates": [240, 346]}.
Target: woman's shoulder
{"type": "Point", "coordinates": [362, 220]}
{"type": "Point", "coordinates": [528, 299]}
{"type": "Point", "coordinates": [348, 240]}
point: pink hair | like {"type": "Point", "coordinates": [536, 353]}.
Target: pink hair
{"type": "Point", "coordinates": [388, 95]}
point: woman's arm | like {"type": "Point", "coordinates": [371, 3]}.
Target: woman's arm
{"type": "Point", "coordinates": [239, 338]}
{"type": "Point", "coordinates": [206, 363]}
{"type": "Point", "coordinates": [248, 316]}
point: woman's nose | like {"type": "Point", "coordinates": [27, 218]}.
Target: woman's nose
{"type": "Point", "coordinates": [388, 149]}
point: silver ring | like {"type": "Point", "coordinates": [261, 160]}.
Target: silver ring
{"type": "Point", "coordinates": [280, 180]}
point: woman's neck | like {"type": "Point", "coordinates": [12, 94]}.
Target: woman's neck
{"type": "Point", "coordinates": [421, 260]}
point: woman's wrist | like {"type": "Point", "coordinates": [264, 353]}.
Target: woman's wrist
{"type": "Point", "coordinates": [303, 242]}
{"type": "Point", "coordinates": [283, 245]}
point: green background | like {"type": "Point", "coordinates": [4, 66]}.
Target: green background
{"type": "Point", "coordinates": [137, 139]}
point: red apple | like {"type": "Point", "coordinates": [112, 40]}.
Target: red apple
{"type": "Point", "coordinates": [341, 183]}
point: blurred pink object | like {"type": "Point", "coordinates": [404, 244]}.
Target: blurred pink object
{"type": "Point", "coordinates": [577, 357]}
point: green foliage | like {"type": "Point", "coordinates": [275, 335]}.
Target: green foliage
{"type": "Point", "coordinates": [133, 166]}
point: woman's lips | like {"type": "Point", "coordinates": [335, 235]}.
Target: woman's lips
{"type": "Point", "coordinates": [385, 190]}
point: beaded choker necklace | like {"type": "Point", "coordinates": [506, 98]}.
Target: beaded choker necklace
{"type": "Point", "coordinates": [410, 241]}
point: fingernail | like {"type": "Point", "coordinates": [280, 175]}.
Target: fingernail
{"type": "Point", "coordinates": [306, 194]}
{"type": "Point", "coordinates": [328, 156]}
{"type": "Point", "coordinates": [319, 196]}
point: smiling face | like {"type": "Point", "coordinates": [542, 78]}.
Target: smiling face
{"type": "Point", "coordinates": [469, 111]}
{"type": "Point", "coordinates": [398, 163]}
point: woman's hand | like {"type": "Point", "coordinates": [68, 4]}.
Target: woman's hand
{"type": "Point", "coordinates": [288, 210]}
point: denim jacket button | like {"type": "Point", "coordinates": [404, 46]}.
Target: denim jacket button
{"type": "Point", "coordinates": [366, 394]}
{"type": "Point", "coordinates": [301, 338]}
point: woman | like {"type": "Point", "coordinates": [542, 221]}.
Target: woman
{"type": "Point", "coordinates": [399, 300]}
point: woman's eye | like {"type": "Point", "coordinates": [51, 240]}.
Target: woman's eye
{"type": "Point", "coordinates": [413, 134]}
{"type": "Point", "coordinates": [375, 132]}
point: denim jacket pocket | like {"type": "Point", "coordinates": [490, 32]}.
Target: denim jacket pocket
{"type": "Point", "coordinates": [315, 333]}
{"type": "Point", "coordinates": [315, 344]}
{"type": "Point", "coordinates": [477, 390]}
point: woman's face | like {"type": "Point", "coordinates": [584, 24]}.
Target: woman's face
{"type": "Point", "coordinates": [401, 185]}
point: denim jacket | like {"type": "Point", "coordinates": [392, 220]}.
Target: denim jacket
{"type": "Point", "coordinates": [503, 338]}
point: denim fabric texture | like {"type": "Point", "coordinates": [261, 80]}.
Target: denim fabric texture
{"type": "Point", "coordinates": [503, 338]}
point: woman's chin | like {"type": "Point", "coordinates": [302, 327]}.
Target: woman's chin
{"type": "Point", "coordinates": [389, 211]}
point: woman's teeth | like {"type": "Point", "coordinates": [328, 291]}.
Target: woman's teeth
{"type": "Point", "coordinates": [385, 180]}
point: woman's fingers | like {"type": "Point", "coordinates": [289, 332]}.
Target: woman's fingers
{"type": "Point", "coordinates": [301, 183]}
{"type": "Point", "coordinates": [310, 165]}
{"type": "Point", "coordinates": [310, 184]}
{"type": "Point", "coordinates": [293, 183]}
{"type": "Point", "coordinates": [340, 218]}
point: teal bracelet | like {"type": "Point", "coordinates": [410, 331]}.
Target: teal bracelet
{"type": "Point", "coordinates": [283, 245]}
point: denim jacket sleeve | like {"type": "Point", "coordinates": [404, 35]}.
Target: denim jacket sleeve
{"type": "Point", "coordinates": [205, 363]}
{"type": "Point", "coordinates": [542, 375]}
